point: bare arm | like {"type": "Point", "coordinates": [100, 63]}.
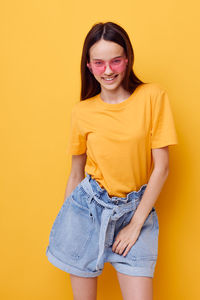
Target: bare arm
{"type": "Point", "coordinates": [77, 173]}
{"type": "Point", "coordinates": [154, 186]}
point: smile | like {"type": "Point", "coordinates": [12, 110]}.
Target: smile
{"type": "Point", "coordinates": [109, 79]}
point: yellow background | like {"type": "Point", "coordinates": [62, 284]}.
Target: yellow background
{"type": "Point", "coordinates": [41, 44]}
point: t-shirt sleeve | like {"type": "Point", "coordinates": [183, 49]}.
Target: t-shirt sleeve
{"type": "Point", "coordinates": [163, 131]}
{"type": "Point", "coordinates": [77, 140]}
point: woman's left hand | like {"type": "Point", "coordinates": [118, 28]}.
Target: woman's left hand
{"type": "Point", "coordinates": [126, 238]}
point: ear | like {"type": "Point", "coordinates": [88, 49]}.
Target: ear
{"type": "Point", "coordinates": [126, 60]}
{"type": "Point", "coordinates": [88, 65]}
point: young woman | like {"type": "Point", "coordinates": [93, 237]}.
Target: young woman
{"type": "Point", "coordinates": [119, 136]}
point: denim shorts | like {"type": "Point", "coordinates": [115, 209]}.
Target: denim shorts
{"type": "Point", "coordinates": [85, 228]}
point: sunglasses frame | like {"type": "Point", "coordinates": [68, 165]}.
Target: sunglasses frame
{"type": "Point", "coordinates": [101, 69]}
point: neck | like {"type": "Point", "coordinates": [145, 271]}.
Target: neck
{"type": "Point", "coordinates": [114, 96]}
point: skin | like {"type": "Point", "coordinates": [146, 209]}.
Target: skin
{"type": "Point", "coordinates": [132, 287]}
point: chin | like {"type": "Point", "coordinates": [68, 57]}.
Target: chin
{"type": "Point", "coordinates": [111, 86]}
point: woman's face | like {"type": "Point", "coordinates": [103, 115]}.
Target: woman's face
{"type": "Point", "coordinates": [107, 63]}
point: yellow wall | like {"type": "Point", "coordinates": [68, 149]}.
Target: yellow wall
{"type": "Point", "coordinates": [40, 82]}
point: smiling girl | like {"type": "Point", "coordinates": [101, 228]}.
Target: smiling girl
{"type": "Point", "coordinates": [119, 137]}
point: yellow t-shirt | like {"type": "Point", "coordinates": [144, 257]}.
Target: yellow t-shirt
{"type": "Point", "coordinates": [118, 138]}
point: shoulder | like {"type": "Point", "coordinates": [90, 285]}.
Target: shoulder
{"type": "Point", "coordinates": [155, 94]}
{"type": "Point", "coordinates": [84, 105]}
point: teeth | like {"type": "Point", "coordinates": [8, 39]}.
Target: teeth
{"type": "Point", "coordinates": [109, 78]}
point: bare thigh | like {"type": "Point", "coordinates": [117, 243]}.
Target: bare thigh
{"type": "Point", "coordinates": [135, 287]}
{"type": "Point", "coordinates": [84, 287]}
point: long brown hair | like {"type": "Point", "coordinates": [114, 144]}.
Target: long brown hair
{"type": "Point", "coordinates": [108, 31]}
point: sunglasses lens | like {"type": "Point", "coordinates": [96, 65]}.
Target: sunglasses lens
{"type": "Point", "coordinates": [116, 65]}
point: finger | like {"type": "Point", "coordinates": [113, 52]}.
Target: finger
{"type": "Point", "coordinates": [127, 249]}
{"type": "Point", "coordinates": [115, 244]}
{"type": "Point", "coordinates": [117, 247]}
{"type": "Point", "coordinates": [120, 247]}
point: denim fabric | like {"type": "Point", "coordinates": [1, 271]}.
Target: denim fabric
{"type": "Point", "coordinates": [85, 228]}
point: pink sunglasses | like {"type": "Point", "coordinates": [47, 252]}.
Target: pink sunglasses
{"type": "Point", "coordinates": [116, 65]}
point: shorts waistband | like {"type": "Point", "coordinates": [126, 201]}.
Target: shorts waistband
{"type": "Point", "coordinates": [97, 189]}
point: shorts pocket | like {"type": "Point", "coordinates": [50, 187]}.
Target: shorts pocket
{"type": "Point", "coordinates": [129, 216]}
{"type": "Point", "coordinates": [64, 206]}
{"type": "Point", "coordinates": [146, 246]}
{"type": "Point", "coordinates": [71, 232]}
{"type": "Point", "coordinates": [80, 197]}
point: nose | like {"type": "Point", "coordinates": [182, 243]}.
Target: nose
{"type": "Point", "coordinates": [108, 70]}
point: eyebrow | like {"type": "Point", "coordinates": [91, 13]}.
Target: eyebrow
{"type": "Point", "coordinates": [103, 59]}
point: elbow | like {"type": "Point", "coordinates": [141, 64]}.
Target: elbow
{"type": "Point", "coordinates": [162, 171]}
